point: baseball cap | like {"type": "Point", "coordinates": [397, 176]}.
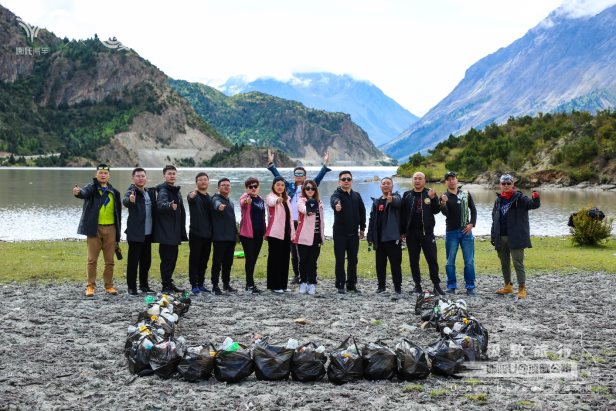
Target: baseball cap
{"type": "Point", "coordinates": [450, 174]}
{"type": "Point", "coordinates": [506, 178]}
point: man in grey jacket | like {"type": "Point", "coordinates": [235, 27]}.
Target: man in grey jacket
{"type": "Point", "coordinates": [384, 235]}
{"type": "Point", "coordinates": [224, 236]}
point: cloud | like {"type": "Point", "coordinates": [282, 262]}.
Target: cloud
{"type": "Point", "coordinates": [574, 9]}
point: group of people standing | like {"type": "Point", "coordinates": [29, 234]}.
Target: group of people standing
{"type": "Point", "coordinates": [294, 230]}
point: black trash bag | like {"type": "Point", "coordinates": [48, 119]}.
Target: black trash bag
{"type": "Point", "coordinates": [411, 361]}
{"type": "Point", "coordinates": [272, 362]}
{"type": "Point", "coordinates": [446, 357]}
{"type": "Point", "coordinates": [197, 364]}
{"type": "Point", "coordinates": [138, 356]}
{"type": "Point", "coordinates": [308, 364]}
{"type": "Point", "coordinates": [594, 213]}
{"type": "Point", "coordinates": [165, 357]}
{"type": "Point", "coordinates": [473, 339]}
{"type": "Point", "coordinates": [425, 301]}
{"type": "Point", "coordinates": [345, 363]}
{"type": "Point", "coordinates": [233, 366]}
{"type": "Point", "coordinates": [379, 362]}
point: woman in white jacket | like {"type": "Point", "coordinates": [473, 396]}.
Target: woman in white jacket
{"type": "Point", "coordinates": [309, 236]}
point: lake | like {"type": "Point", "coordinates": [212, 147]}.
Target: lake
{"type": "Point", "coordinates": [37, 203]}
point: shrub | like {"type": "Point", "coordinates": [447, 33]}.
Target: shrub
{"type": "Point", "coordinates": [587, 230]}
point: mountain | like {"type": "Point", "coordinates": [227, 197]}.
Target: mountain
{"type": "Point", "coordinates": [380, 116]}
{"type": "Point", "coordinates": [263, 120]}
{"type": "Point", "coordinates": [92, 103]}
{"type": "Point", "coordinates": [562, 64]}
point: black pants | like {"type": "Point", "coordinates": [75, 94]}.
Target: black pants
{"type": "Point", "coordinates": [346, 246]}
{"type": "Point", "coordinates": [197, 261]}
{"type": "Point", "coordinates": [139, 255]}
{"type": "Point", "coordinates": [308, 256]}
{"type": "Point", "coordinates": [222, 259]}
{"type": "Point", "coordinates": [416, 241]}
{"type": "Point", "coordinates": [389, 250]}
{"type": "Point", "coordinates": [168, 257]}
{"type": "Point", "coordinates": [252, 248]}
{"type": "Point", "coordinates": [295, 254]}
{"type": "Point", "coordinates": [278, 263]}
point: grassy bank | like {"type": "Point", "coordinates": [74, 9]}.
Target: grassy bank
{"type": "Point", "coordinates": [65, 261]}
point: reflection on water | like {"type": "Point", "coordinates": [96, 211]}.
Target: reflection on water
{"type": "Point", "coordinates": [37, 204]}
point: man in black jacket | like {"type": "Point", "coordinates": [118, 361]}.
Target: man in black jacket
{"type": "Point", "coordinates": [224, 235]}
{"type": "Point", "coordinates": [349, 228]}
{"type": "Point", "coordinates": [459, 207]}
{"type": "Point", "coordinates": [510, 233]}
{"type": "Point", "coordinates": [140, 202]}
{"type": "Point", "coordinates": [419, 206]}
{"type": "Point", "coordinates": [100, 222]}
{"type": "Point", "coordinates": [384, 235]}
{"type": "Point", "coordinates": [170, 227]}
{"type": "Point", "coordinates": [200, 235]}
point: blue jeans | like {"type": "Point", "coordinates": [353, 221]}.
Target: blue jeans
{"type": "Point", "coordinates": [453, 239]}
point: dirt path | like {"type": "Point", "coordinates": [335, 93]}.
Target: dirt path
{"type": "Point", "coordinates": [63, 351]}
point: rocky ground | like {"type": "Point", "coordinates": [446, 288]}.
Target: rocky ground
{"type": "Point", "coordinates": [61, 350]}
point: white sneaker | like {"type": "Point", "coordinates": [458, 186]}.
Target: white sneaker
{"type": "Point", "coordinates": [312, 290]}
{"type": "Point", "coordinates": [279, 291]}
{"type": "Point", "coordinates": [303, 288]}
{"type": "Point", "coordinates": [287, 290]}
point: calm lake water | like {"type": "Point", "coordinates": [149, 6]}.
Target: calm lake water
{"type": "Point", "coordinates": [37, 204]}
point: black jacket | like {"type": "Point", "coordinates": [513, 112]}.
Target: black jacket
{"type": "Point", "coordinates": [135, 224]}
{"type": "Point", "coordinates": [93, 201]}
{"type": "Point", "coordinates": [518, 228]}
{"type": "Point", "coordinates": [391, 221]}
{"type": "Point", "coordinates": [170, 227]}
{"type": "Point", "coordinates": [353, 214]}
{"type": "Point", "coordinates": [200, 215]}
{"type": "Point", "coordinates": [429, 207]}
{"type": "Point", "coordinates": [452, 209]}
{"type": "Point", "coordinates": [224, 227]}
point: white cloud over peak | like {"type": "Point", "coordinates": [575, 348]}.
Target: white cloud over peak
{"type": "Point", "coordinates": [582, 8]}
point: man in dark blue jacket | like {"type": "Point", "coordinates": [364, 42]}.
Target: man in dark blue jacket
{"type": "Point", "coordinates": [100, 222]}
{"type": "Point", "coordinates": [170, 227]}
{"type": "Point", "coordinates": [419, 206]}
{"type": "Point", "coordinates": [200, 235]}
{"type": "Point", "coordinates": [141, 204]}
{"type": "Point", "coordinates": [384, 235]}
{"type": "Point", "coordinates": [349, 228]}
{"type": "Point", "coordinates": [224, 236]}
{"type": "Point", "coordinates": [510, 233]}
{"type": "Point", "coordinates": [294, 191]}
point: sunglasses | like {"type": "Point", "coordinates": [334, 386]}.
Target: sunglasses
{"type": "Point", "coordinates": [253, 186]}
{"type": "Point", "coordinates": [310, 189]}
{"type": "Point", "coordinates": [506, 184]}
{"type": "Point", "coordinates": [346, 179]}
{"type": "Point", "coordinates": [299, 174]}
{"type": "Point", "coordinates": [103, 168]}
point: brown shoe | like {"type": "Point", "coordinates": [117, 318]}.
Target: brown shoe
{"type": "Point", "coordinates": [521, 291]}
{"type": "Point", "coordinates": [90, 291]}
{"type": "Point", "coordinates": [507, 289]}
{"type": "Point", "coordinates": [111, 290]}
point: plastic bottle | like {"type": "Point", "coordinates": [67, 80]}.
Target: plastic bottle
{"type": "Point", "coordinates": [292, 344]}
{"type": "Point", "coordinates": [147, 344]}
{"type": "Point", "coordinates": [149, 299]}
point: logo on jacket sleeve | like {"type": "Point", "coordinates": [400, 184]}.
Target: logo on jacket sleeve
{"type": "Point", "coordinates": [427, 201]}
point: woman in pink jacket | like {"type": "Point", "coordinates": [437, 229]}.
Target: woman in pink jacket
{"type": "Point", "coordinates": [252, 229]}
{"type": "Point", "coordinates": [309, 236]}
{"type": "Point", "coordinates": [280, 231]}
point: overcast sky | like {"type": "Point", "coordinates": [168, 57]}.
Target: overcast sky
{"type": "Point", "coordinates": [416, 51]}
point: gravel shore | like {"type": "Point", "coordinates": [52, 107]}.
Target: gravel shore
{"type": "Point", "coordinates": [62, 350]}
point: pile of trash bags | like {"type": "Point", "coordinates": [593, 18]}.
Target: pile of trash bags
{"type": "Point", "coordinates": [154, 348]}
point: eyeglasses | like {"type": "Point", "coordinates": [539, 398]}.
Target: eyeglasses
{"type": "Point", "coordinates": [507, 183]}
{"type": "Point", "coordinates": [310, 189]}
{"type": "Point", "coordinates": [299, 174]}
{"type": "Point", "coordinates": [346, 179]}
{"type": "Point", "coordinates": [253, 186]}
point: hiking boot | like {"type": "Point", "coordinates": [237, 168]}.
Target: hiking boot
{"type": "Point", "coordinates": [295, 280]}
{"type": "Point", "coordinates": [204, 289]}
{"type": "Point", "coordinates": [438, 290]}
{"type": "Point", "coordinates": [312, 290]}
{"type": "Point", "coordinates": [353, 290]}
{"type": "Point", "coordinates": [471, 292]}
{"type": "Point", "coordinates": [228, 288]}
{"type": "Point", "coordinates": [255, 290]}
{"type": "Point", "coordinates": [417, 289]}
{"type": "Point", "coordinates": [111, 290]}
{"type": "Point", "coordinates": [451, 291]}
{"type": "Point", "coordinates": [147, 290]}
{"type": "Point", "coordinates": [507, 289]}
{"type": "Point", "coordinates": [166, 290]}
{"type": "Point", "coordinates": [303, 288]}
{"type": "Point", "coordinates": [90, 291]}
{"type": "Point", "coordinates": [196, 291]}
{"type": "Point", "coordinates": [176, 289]}
{"type": "Point", "coordinates": [521, 291]}
{"type": "Point", "coordinates": [380, 290]}
{"type": "Point", "coordinates": [216, 290]}
{"type": "Point", "coordinates": [132, 292]}
{"type": "Point", "coordinates": [398, 289]}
